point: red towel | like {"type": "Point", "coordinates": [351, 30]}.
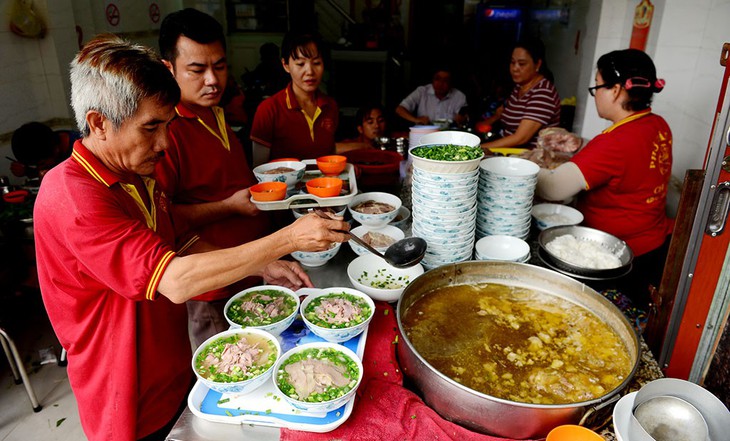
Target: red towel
{"type": "Point", "coordinates": [385, 410]}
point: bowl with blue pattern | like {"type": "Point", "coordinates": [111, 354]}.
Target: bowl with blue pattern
{"type": "Point", "coordinates": [336, 314]}
{"type": "Point", "coordinates": [316, 258]}
{"type": "Point", "coordinates": [288, 172]}
{"type": "Point", "coordinates": [374, 209]}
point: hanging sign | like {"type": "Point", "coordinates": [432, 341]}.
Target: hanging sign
{"type": "Point", "coordinates": [642, 22]}
{"type": "Point", "coordinates": [112, 14]}
{"type": "Point", "coordinates": [154, 12]}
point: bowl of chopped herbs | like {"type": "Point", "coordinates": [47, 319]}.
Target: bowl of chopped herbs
{"type": "Point", "coordinates": [447, 152]}
{"type": "Point", "coordinates": [373, 276]}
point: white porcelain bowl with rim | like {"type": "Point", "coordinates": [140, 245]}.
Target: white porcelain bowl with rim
{"type": "Point", "coordinates": [316, 348]}
{"type": "Point", "coordinates": [374, 220]}
{"type": "Point", "coordinates": [289, 178]}
{"type": "Point", "coordinates": [510, 167]}
{"type": "Point", "coordinates": [335, 335]}
{"type": "Point", "coordinates": [444, 167]}
{"type": "Point", "coordinates": [389, 230]}
{"type": "Point", "coordinates": [550, 215]}
{"type": "Point", "coordinates": [316, 258]}
{"type": "Point", "coordinates": [502, 247]}
{"type": "Point", "coordinates": [274, 328]}
{"type": "Point", "coordinates": [239, 387]}
{"type": "Point", "coordinates": [455, 178]}
{"type": "Point", "coordinates": [451, 137]}
{"type": "Point", "coordinates": [373, 276]}
{"type": "Point", "coordinates": [299, 212]}
{"type": "Point", "coordinates": [402, 218]}
{"type": "Point", "coordinates": [445, 195]}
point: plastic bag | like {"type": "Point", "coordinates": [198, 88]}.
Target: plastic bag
{"type": "Point", "coordinates": [557, 139]}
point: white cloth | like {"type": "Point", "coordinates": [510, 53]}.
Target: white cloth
{"type": "Point", "coordinates": [423, 102]}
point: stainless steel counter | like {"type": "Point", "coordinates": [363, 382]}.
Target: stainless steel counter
{"type": "Point", "coordinates": [191, 428]}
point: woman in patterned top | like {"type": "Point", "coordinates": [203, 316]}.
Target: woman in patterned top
{"type": "Point", "coordinates": [534, 103]}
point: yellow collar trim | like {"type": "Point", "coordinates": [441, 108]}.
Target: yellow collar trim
{"type": "Point", "coordinates": [310, 121]}
{"type": "Point", "coordinates": [150, 217]}
{"type": "Point", "coordinates": [628, 119]}
{"type": "Point", "coordinates": [85, 164]}
{"type": "Point", "coordinates": [220, 119]}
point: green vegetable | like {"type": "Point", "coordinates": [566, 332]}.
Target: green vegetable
{"type": "Point", "coordinates": [259, 317]}
{"type": "Point", "coordinates": [328, 355]}
{"type": "Point", "coordinates": [382, 279]}
{"type": "Point", "coordinates": [448, 152]}
{"type": "Point", "coordinates": [357, 302]}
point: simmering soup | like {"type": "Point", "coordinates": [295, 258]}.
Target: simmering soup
{"type": "Point", "coordinates": [517, 344]}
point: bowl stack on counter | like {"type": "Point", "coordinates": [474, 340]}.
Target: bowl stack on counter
{"type": "Point", "coordinates": [504, 201]}
{"type": "Point", "coordinates": [444, 195]}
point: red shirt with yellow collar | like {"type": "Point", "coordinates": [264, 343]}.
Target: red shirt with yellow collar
{"type": "Point", "coordinates": [102, 246]}
{"type": "Point", "coordinates": [202, 166]}
{"type": "Point", "coordinates": [627, 169]}
{"type": "Point", "coordinates": [281, 125]}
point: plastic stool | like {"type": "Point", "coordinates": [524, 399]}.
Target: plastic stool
{"type": "Point", "coordinates": [16, 365]}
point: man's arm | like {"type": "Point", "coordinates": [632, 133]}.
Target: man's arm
{"type": "Point", "coordinates": [188, 276]}
{"type": "Point", "coordinates": [408, 116]}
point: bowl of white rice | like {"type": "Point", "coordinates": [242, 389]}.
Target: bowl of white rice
{"type": "Point", "coordinates": [585, 252]}
{"type": "Point", "coordinates": [551, 215]}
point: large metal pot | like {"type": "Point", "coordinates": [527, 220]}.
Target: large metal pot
{"type": "Point", "coordinates": [485, 413]}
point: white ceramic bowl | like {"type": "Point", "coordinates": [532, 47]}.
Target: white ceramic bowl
{"type": "Point", "coordinates": [273, 327]}
{"type": "Point", "coordinates": [314, 349]}
{"type": "Point", "coordinates": [289, 178]}
{"type": "Point", "coordinates": [450, 137]}
{"type": "Point", "coordinates": [401, 219]}
{"type": "Point", "coordinates": [551, 215]}
{"type": "Point", "coordinates": [373, 276]}
{"type": "Point", "coordinates": [389, 230]}
{"type": "Point", "coordinates": [245, 386]}
{"type": "Point", "coordinates": [510, 166]}
{"type": "Point", "coordinates": [374, 220]}
{"type": "Point", "coordinates": [503, 248]}
{"type": "Point", "coordinates": [468, 177]}
{"type": "Point", "coordinates": [445, 167]}
{"type": "Point", "coordinates": [316, 258]}
{"type": "Point", "coordinates": [337, 335]}
{"type": "Point", "coordinates": [299, 212]}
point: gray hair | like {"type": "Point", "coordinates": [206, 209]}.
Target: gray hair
{"type": "Point", "coordinates": [111, 75]}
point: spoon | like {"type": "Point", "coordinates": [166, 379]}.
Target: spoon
{"type": "Point", "coordinates": [668, 418]}
{"type": "Point", "coordinates": [404, 253]}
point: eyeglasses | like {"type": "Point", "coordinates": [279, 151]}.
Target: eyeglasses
{"type": "Point", "coordinates": [592, 90]}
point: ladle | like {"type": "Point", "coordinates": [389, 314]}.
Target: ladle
{"type": "Point", "coordinates": [668, 418]}
{"type": "Point", "coordinates": [404, 253]}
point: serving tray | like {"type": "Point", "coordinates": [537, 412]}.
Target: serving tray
{"type": "Point", "coordinates": [265, 406]}
{"type": "Point", "coordinates": [299, 198]}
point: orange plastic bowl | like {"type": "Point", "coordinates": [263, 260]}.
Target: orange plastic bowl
{"type": "Point", "coordinates": [284, 159]}
{"type": "Point", "coordinates": [325, 187]}
{"type": "Point", "coordinates": [268, 191]}
{"type": "Point", "coordinates": [331, 165]}
{"type": "Point", "coordinates": [570, 432]}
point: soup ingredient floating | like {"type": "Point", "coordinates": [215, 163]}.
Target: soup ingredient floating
{"type": "Point", "coordinates": [260, 308]}
{"type": "Point", "coordinates": [337, 311]}
{"type": "Point", "coordinates": [517, 343]}
{"type": "Point", "coordinates": [448, 152]}
{"type": "Point", "coordinates": [382, 279]}
{"type": "Point", "coordinates": [583, 253]}
{"type": "Point", "coordinates": [236, 358]}
{"type": "Point", "coordinates": [378, 240]}
{"type": "Point", "coordinates": [373, 207]}
{"type": "Point", "coordinates": [317, 375]}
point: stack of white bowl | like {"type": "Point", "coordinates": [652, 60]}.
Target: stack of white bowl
{"type": "Point", "coordinates": [504, 203]}
{"type": "Point", "coordinates": [444, 202]}
{"type": "Point", "coordinates": [417, 132]}
{"type": "Point", "coordinates": [502, 248]}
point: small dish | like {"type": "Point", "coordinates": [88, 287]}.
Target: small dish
{"type": "Point", "coordinates": [317, 305]}
{"type": "Point", "coordinates": [331, 165]}
{"type": "Point", "coordinates": [268, 191]}
{"type": "Point", "coordinates": [373, 276]}
{"type": "Point", "coordinates": [325, 187]}
{"type": "Point", "coordinates": [316, 258]}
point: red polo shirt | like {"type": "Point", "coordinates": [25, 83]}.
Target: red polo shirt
{"type": "Point", "coordinates": [627, 170]}
{"type": "Point", "coordinates": [100, 255]}
{"type": "Point", "coordinates": [281, 125]}
{"type": "Point", "coordinates": [198, 168]}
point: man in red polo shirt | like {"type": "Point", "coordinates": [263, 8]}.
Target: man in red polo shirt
{"type": "Point", "coordinates": [112, 277]}
{"type": "Point", "coordinates": [205, 172]}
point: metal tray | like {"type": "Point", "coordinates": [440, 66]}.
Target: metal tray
{"type": "Point", "coordinates": [299, 198]}
{"type": "Point", "coordinates": [264, 406]}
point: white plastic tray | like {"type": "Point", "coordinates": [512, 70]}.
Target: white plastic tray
{"type": "Point", "coordinates": [265, 406]}
{"type": "Point", "coordinates": [297, 199]}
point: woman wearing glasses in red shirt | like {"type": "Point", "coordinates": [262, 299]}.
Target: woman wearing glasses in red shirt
{"type": "Point", "coordinates": [621, 177]}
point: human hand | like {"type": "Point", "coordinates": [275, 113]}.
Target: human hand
{"type": "Point", "coordinates": [240, 203]}
{"type": "Point", "coordinates": [423, 120]}
{"type": "Point", "coordinates": [315, 233]}
{"type": "Point", "coordinates": [287, 274]}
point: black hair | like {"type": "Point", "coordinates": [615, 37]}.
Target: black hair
{"type": "Point", "coordinates": [191, 23]}
{"type": "Point", "coordinates": [536, 49]}
{"type": "Point", "coordinates": [296, 43]}
{"type": "Point", "coordinates": [635, 72]}
{"type": "Point", "coordinates": [364, 111]}
{"type": "Point", "coordinates": [33, 142]}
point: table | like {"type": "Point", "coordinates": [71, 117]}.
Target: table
{"type": "Point", "coordinates": [191, 428]}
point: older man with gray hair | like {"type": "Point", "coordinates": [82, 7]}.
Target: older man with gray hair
{"type": "Point", "coordinates": [114, 270]}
